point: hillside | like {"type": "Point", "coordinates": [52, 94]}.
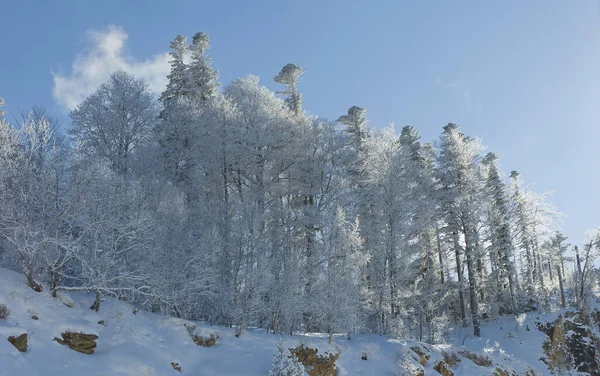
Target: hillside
{"type": "Point", "coordinates": [145, 344]}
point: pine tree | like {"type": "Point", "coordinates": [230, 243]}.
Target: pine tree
{"type": "Point", "coordinates": [501, 248]}
{"type": "Point", "coordinates": [203, 78]}
{"type": "Point", "coordinates": [356, 126]}
{"type": "Point", "coordinates": [459, 189]}
{"type": "Point", "coordinates": [179, 81]}
{"type": "Point", "coordinates": [289, 76]}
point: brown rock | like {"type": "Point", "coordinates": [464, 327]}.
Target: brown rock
{"type": "Point", "coordinates": [20, 342]}
{"type": "Point", "coordinates": [83, 343]}
{"type": "Point", "coordinates": [176, 366]}
{"type": "Point", "coordinates": [423, 357]}
{"type": "Point", "coordinates": [443, 369]}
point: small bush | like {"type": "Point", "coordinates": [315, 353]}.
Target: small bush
{"type": "Point", "coordinates": [4, 311]}
{"type": "Point", "coordinates": [450, 358]}
{"type": "Point", "coordinates": [202, 337]}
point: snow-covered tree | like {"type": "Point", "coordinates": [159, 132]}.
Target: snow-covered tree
{"type": "Point", "coordinates": [202, 78]}
{"type": "Point", "coordinates": [285, 364]}
{"type": "Point", "coordinates": [115, 120]}
{"type": "Point", "coordinates": [500, 238]}
{"type": "Point", "coordinates": [459, 193]}
{"type": "Point", "coordinates": [289, 76]}
{"type": "Point", "coordinates": [340, 298]}
{"type": "Point", "coordinates": [178, 84]}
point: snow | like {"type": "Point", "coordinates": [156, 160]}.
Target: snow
{"type": "Point", "coordinates": [144, 344]}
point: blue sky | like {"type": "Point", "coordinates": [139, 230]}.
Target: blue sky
{"type": "Point", "coordinates": [523, 76]}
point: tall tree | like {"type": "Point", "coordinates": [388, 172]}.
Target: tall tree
{"type": "Point", "coordinates": [203, 78]}
{"type": "Point", "coordinates": [115, 120]}
{"type": "Point", "coordinates": [501, 248]}
{"type": "Point", "coordinates": [460, 191]}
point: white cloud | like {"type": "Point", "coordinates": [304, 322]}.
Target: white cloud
{"type": "Point", "coordinates": [105, 54]}
{"type": "Point", "coordinates": [461, 86]}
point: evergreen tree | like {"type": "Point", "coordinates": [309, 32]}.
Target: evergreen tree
{"type": "Point", "coordinates": [202, 78]}
{"type": "Point", "coordinates": [460, 189]}
{"type": "Point", "coordinates": [178, 84]}
{"type": "Point", "coordinates": [501, 248]}
{"type": "Point", "coordinates": [289, 76]}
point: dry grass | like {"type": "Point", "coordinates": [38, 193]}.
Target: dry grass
{"type": "Point", "coordinates": [480, 360]}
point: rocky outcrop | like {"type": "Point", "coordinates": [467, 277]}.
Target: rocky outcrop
{"type": "Point", "coordinates": [19, 342]}
{"type": "Point", "coordinates": [443, 369]}
{"type": "Point", "coordinates": [570, 345]}
{"type": "Point", "coordinates": [80, 342]}
{"type": "Point", "coordinates": [422, 354]}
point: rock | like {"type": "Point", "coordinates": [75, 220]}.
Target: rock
{"type": "Point", "coordinates": [176, 366]}
{"type": "Point", "coordinates": [570, 344]}
{"type": "Point", "coordinates": [20, 342]}
{"type": "Point", "coordinates": [83, 343]}
{"type": "Point", "coordinates": [443, 369]}
{"type": "Point", "coordinates": [500, 372]}
{"type": "Point", "coordinates": [34, 317]}
{"type": "Point", "coordinates": [423, 356]}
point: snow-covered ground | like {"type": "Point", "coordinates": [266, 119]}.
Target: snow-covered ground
{"type": "Point", "coordinates": [145, 344]}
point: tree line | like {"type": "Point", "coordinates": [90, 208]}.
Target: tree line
{"type": "Point", "coordinates": [236, 207]}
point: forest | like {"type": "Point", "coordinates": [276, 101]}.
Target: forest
{"type": "Point", "coordinates": [231, 204]}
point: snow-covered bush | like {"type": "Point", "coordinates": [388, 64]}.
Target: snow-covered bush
{"type": "Point", "coordinates": [285, 365]}
{"type": "Point", "coordinates": [406, 364]}
{"type": "Point", "coordinates": [202, 336]}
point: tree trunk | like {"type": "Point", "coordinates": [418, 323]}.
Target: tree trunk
{"type": "Point", "coordinates": [53, 282]}
{"type": "Point", "coordinates": [562, 291]}
{"type": "Point", "coordinates": [96, 305]}
{"type": "Point", "coordinates": [474, 301]}
{"type": "Point", "coordinates": [463, 313]}
{"type": "Point", "coordinates": [579, 275]}
{"type": "Point", "coordinates": [440, 256]}
{"type": "Point", "coordinates": [31, 282]}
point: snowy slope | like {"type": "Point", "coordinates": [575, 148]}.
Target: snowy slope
{"type": "Point", "coordinates": [145, 344]}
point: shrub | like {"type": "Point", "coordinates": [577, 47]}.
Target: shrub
{"type": "Point", "coordinates": [285, 365]}
{"type": "Point", "coordinates": [202, 337]}
{"type": "Point", "coordinates": [480, 360]}
{"type": "Point", "coordinates": [318, 365]}
{"type": "Point", "coordinates": [4, 311]}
